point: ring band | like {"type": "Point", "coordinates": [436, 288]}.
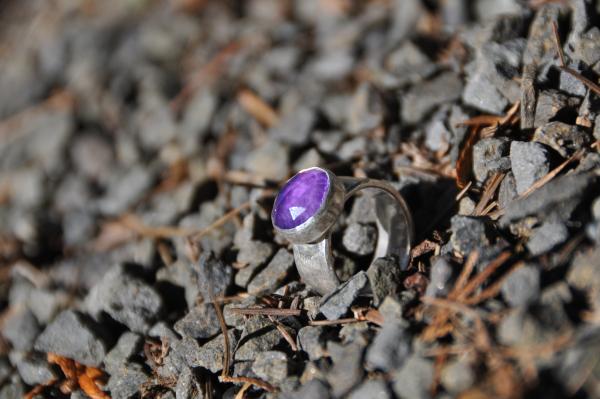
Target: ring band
{"type": "Point", "coordinates": [308, 206]}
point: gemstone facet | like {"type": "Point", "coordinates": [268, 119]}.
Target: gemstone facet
{"type": "Point", "coordinates": [301, 197]}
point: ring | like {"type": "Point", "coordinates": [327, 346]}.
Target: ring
{"type": "Point", "coordinates": [308, 206]}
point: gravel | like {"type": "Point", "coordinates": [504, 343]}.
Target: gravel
{"type": "Point", "coordinates": [71, 335]}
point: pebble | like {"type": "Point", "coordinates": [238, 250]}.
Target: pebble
{"type": "Point", "coordinates": [210, 355]}
{"type": "Point", "coordinates": [439, 278]}
{"type": "Point", "coordinates": [384, 276]}
{"type": "Point", "coordinates": [337, 304]}
{"type": "Point", "coordinates": [295, 127]}
{"type": "Point", "coordinates": [312, 389]}
{"type": "Point", "coordinates": [259, 335]}
{"type": "Point", "coordinates": [522, 286]}
{"type": "Point", "coordinates": [414, 379]}
{"type": "Point", "coordinates": [34, 369]}
{"type": "Point", "coordinates": [457, 376]}
{"type": "Point", "coordinates": [529, 162]}
{"type": "Point", "coordinates": [269, 161]}
{"type": "Point", "coordinates": [359, 239]}
{"type": "Point", "coordinates": [214, 277]}
{"type": "Point", "coordinates": [564, 139]}
{"type": "Point", "coordinates": [422, 99]}
{"type": "Point", "coordinates": [274, 274]}
{"type": "Point", "coordinates": [71, 335]}
{"type": "Point", "coordinates": [468, 234]}
{"type": "Point", "coordinates": [125, 190]}
{"type": "Point", "coordinates": [554, 200]}
{"type": "Point", "coordinates": [127, 346]}
{"type": "Point", "coordinates": [126, 298]}
{"type": "Point", "coordinates": [546, 237]}
{"type": "Point", "coordinates": [366, 110]}
{"type": "Point", "coordinates": [372, 389]}
{"type": "Point", "coordinates": [390, 348]}
{"type": "Point", "coordinates": [489, 156]}
{"type": "Point", "coordinates": [271, 366]}
{"type": "Point", "coordinates": [312, 340]}
{"type": "Point", "coordinates": [549, 103]}
{"type": "Point", "coordinates": [127, 382]}
{"type": "Point", "coordinates": [200, 322]}
{"type": "Point", "coordinates": [20, 328]}
{"type": "Point", "coordinates": [347, 369]}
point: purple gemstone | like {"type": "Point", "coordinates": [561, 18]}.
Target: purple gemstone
{"type": "Point", "coordinates": [300, 198]}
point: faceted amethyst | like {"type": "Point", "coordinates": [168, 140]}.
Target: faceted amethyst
{"type": "Point", "coordinates": [300, 198]}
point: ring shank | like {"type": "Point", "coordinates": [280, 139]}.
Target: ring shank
{"type": "Point", "coordinates": [395, 233]}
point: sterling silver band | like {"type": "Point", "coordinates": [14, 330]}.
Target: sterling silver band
{"type": "Point", "coordinates": [312, 243]}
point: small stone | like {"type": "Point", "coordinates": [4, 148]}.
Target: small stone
{"type": "Point", "coordinates": [529, 162]}
{"type": "Point", "coordinates": [564, 139]}
{"type": "Point", "coordinates": [438, 137]}
{"type": "Point", "coordinates": [439, 278]}
{"type": "Point", "coordinates": [127, 346]}
{"type": "Point", "coordinates": [522, 286]}
{"type": "Point", "coordinates": [127, 382]}
{"type": "Point", "coordinates": [570, 84]}
{"type": "Point", "coordinates": [390, 348]}
{"type": "Point", "coordinates": [182, 273]}
{"type": "Point", "coordinates": [312, 389]}
{"type": "Point", "coordinates": [270, 161]}
{"type": "Point", "coordinates": [371, 389]}
{"type": "Point", "coordinates": [457, 376]}
{"type": "Point", "coordinates": [468, 234]}
{"type": "Point", "coordinates": [549, 103]}
{"type": "Point", "coordinates": [125, 190]}
{"type": "Point", "coordinates": [71, 335]}
{"type": "Point", "coordinates": [347, 368]}
{"type": "Point", "coordinates": [336, 304]}
{"type": "Point", "coordinates": [20, 328]}
{"type": "Point", "coordinates": [507, 190]}
{"type": "Point", "coordinates": [295, 127]}
{"type": "Point", "coordinates": [363, 210]}
{"type": "Point", "coordinates": [311, 340]}
{"type": "Point", "coordinates": [188, 387]}
{"type": "Point", "coordinates": [200, 322]}
{"type": "Point", "coordinates": [16, 390]}
{"type": "Point", "coordinates": [466, 206]}
{"type": "Point", "coordinates": [35, 370]}
{"type": "Point", "coordinates": [414, 380]}
{"type": "Point", "coordinates": [359, 239]}
{"type": "Point", "coordinates": [209, 355]}
{"type": "Point", "coordinates": [255, 253]}
{"type": "Point", "coordinates": [384, 276]}
{"type": "Point", "coordinates": [355, 333]}
{"type": "Point", "coordinates": [163, 331]}
{"type": "Point", "coordinates": [271, 366]}
{"type": "Point", "coordinates": [489, 157]}
{"type": "Point", "coordinates": [555, 200]}
{"type": "Point", "coordinates": [214, 277]}
{"type": "Point", "coordinates": [481, 94]}
{"type": "Point", "coordinates": [423, 98]}
{"type": "Point", "coordinates": [259, 335]}
{"type": "Point", "coordinates": [271, 277]}
{"type": "Point", "coordinates": [366, 110]}
{"type": "Point", "coordinates": [126, 298]}
{"type": "Point", "coordinates": [546, 237]}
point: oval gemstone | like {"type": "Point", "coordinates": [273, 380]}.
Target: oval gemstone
{"type": "Point", "coordinates": [300, 198]}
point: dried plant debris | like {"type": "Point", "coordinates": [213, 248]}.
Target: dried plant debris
{"type": "Point", "coordinates": [141, 147]}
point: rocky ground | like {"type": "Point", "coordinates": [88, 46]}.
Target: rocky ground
{"type": "Point", "coordinates": [142, 144]}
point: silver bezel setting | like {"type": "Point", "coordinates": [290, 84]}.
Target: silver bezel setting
{"type": "Point", "coordinates": [318, 225]}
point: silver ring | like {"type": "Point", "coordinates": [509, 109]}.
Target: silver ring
{"type": "Point", "coordinates": [308, 206]}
